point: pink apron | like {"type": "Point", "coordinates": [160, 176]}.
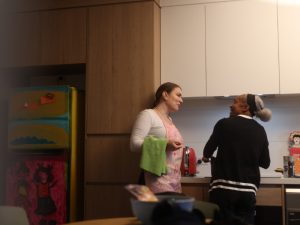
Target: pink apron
{"type": "Point", "coordinates": [170, 182]}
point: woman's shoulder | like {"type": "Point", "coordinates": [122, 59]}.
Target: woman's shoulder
{"type": "Point", "coordinates": [147, 114]}
{"type": "Point", "coordinates": [150, 112]}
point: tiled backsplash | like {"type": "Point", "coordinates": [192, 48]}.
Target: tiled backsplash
{"type": "Point", "coordinates": [197, 117]}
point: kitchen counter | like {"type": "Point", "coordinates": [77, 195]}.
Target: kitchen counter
{"type": "Point", "coordinates": [264, 180]}
{"type": "Point", "coordinates": [270, 193]}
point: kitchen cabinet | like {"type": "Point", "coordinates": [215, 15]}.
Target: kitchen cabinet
{"type": "Point", "coordinates": [109, 166]}
{"type": "Point", "coordinates": [20, 40]}
{"type": "Point", "coordinates": [289, 46]}
{"type": "Point", "coordinates": [183, 48]}
{"type": "Point", "coordinates": [271, 192]}
{"type": "Point", "coordinates": [242, 48]}
{"type": "Point", "coordinates": [105, 201]}
{"type": "Point", "coordinates": [270, 195]}
{"type": "Point", "coordinates": [267, 194]}
{"type": "Point", "coordinates": [221, 48]}
{"type": "Point", "coordinates": [37, 5]}
{"type": "Point", "coordinates": [105, 157]}
{"type": "Point", "coordinates": [123, 72]}
{"type": "Point", "coordinates": [199, 191]}
{"type": "Point", "coordinates": [63, 36]}
{"type": "Point", "coordinates": [46, 38]}
{"type": "Point", "coordinates": [123, 69]}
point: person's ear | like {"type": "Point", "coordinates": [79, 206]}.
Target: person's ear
{"type": "Point", "coordinates": [245, 108]}
{"type": "Point", "coordinates": [165, 95]}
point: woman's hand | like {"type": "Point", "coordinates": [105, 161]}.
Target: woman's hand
{"type": "Point", "coordinates": [174, 145]}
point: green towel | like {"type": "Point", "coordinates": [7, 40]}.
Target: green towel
{"type": "Point", "coordinates": [154, 155]}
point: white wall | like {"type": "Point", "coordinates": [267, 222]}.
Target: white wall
{"type": "Point", "coordinates": [197, 118]}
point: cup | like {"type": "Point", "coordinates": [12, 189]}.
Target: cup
{"type": "Point", "coordinates": [288, 166]}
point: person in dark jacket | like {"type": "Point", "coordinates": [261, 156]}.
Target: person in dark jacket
{"type": "Point", "coordinates": [242, 147]}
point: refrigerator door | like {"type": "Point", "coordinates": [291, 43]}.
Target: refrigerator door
{"type": "Point", "coordinates": [45, 173]}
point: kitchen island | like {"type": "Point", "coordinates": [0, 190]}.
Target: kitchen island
{"type": "Point", "coordinates": [270, 193]}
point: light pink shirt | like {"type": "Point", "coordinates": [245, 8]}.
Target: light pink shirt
{"type": "Point", "coordinates": [170, 182]}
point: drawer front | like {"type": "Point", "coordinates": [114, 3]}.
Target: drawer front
{"type": "Point", "coordinates": [269, 196]}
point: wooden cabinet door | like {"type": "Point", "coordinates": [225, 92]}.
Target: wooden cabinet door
{"type": "Point", "coordinates": [183, 48]}
{"type": "Point", "coordinates": [20, 38]}
{"type": "Point", "coordinates": [109, 166]}
{"type": "Point", "coordinates": [106, 201]}
{"type": "Point", "coordinates": [242, 48]}
{"type": "Point", "coordinates": [108, 159]}
{"type": "Point", "coordinates": [289, 46]}
{"type": "Point", "coordinates": [63, 36]}
{"type": "Point", "coordinates": [198, 191]}
{"type": "Point", "coordinates": [123, 67]}
{"type": "Point", "coordinates": [268, 195]}
{"type": "Point", "coordinates": [45, 38]}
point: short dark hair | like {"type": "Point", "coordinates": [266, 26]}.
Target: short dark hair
{"type": "Point", "coordinates": [167, 87]}
{"type": "Point", "coordinates": [296, 135]}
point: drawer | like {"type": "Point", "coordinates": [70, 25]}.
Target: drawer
{"type": "Point", "coordinates": [269, 196]}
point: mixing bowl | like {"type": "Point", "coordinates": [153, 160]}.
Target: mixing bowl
{"type": "Point", "coordinates": [143, 210]}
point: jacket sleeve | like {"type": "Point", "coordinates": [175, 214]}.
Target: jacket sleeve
{"type": "Point", "coordinates": [264, 160]}
{"type": "Point", "coordinates": [140, 130]}
{"type": "Point", "coordinates": [213, 141]}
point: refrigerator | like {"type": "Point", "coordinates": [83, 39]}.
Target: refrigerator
{"type": "Point", "coordinates": [44, 172]}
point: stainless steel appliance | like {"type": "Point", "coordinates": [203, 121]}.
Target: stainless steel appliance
{"type": "Point", "coordinates": [292, 204]}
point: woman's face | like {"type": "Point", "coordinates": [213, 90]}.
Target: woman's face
{"type": "Point", "coordinates": [174, 99]}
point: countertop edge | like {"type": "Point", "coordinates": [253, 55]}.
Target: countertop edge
{"type": "Point", "coordinates": [264, 180]}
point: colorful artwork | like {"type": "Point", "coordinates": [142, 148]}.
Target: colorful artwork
{"type": "Point", "coordinates": [294, 148]}
{"type": "Point", "coordinates": [39, 134]}
{"type": "Point", "coordinates": [43, 122]}
{"type": "Point", "coordinates": [294, 143]}
{"type": "Point", "coordinates": [38, 184]}
{"type": "Point", "coordinates": [39, 118]}
{"type": "Point", "coordinates": [40, 103]}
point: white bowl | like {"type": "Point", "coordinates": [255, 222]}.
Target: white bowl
{"type": "Point", "coordinates": [143, 210]}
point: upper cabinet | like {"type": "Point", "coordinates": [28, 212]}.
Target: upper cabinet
{"type": "Point", "coordinates": [46, 38]}
{"type": "Point", "coordinates": [242, 48]}
{"type": "Point", "coordinates": [20, 40]}
{"type": "Point", "coordinates": [123, 64]}
{"type": "Point", "coordinates": [183, 48]}
{"type": "Point", "coordinates": [219, 48]}
{"type": "Point", "coordinates": [289, 46]}
{"type": "Point", "coordinates": [63, 36]}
